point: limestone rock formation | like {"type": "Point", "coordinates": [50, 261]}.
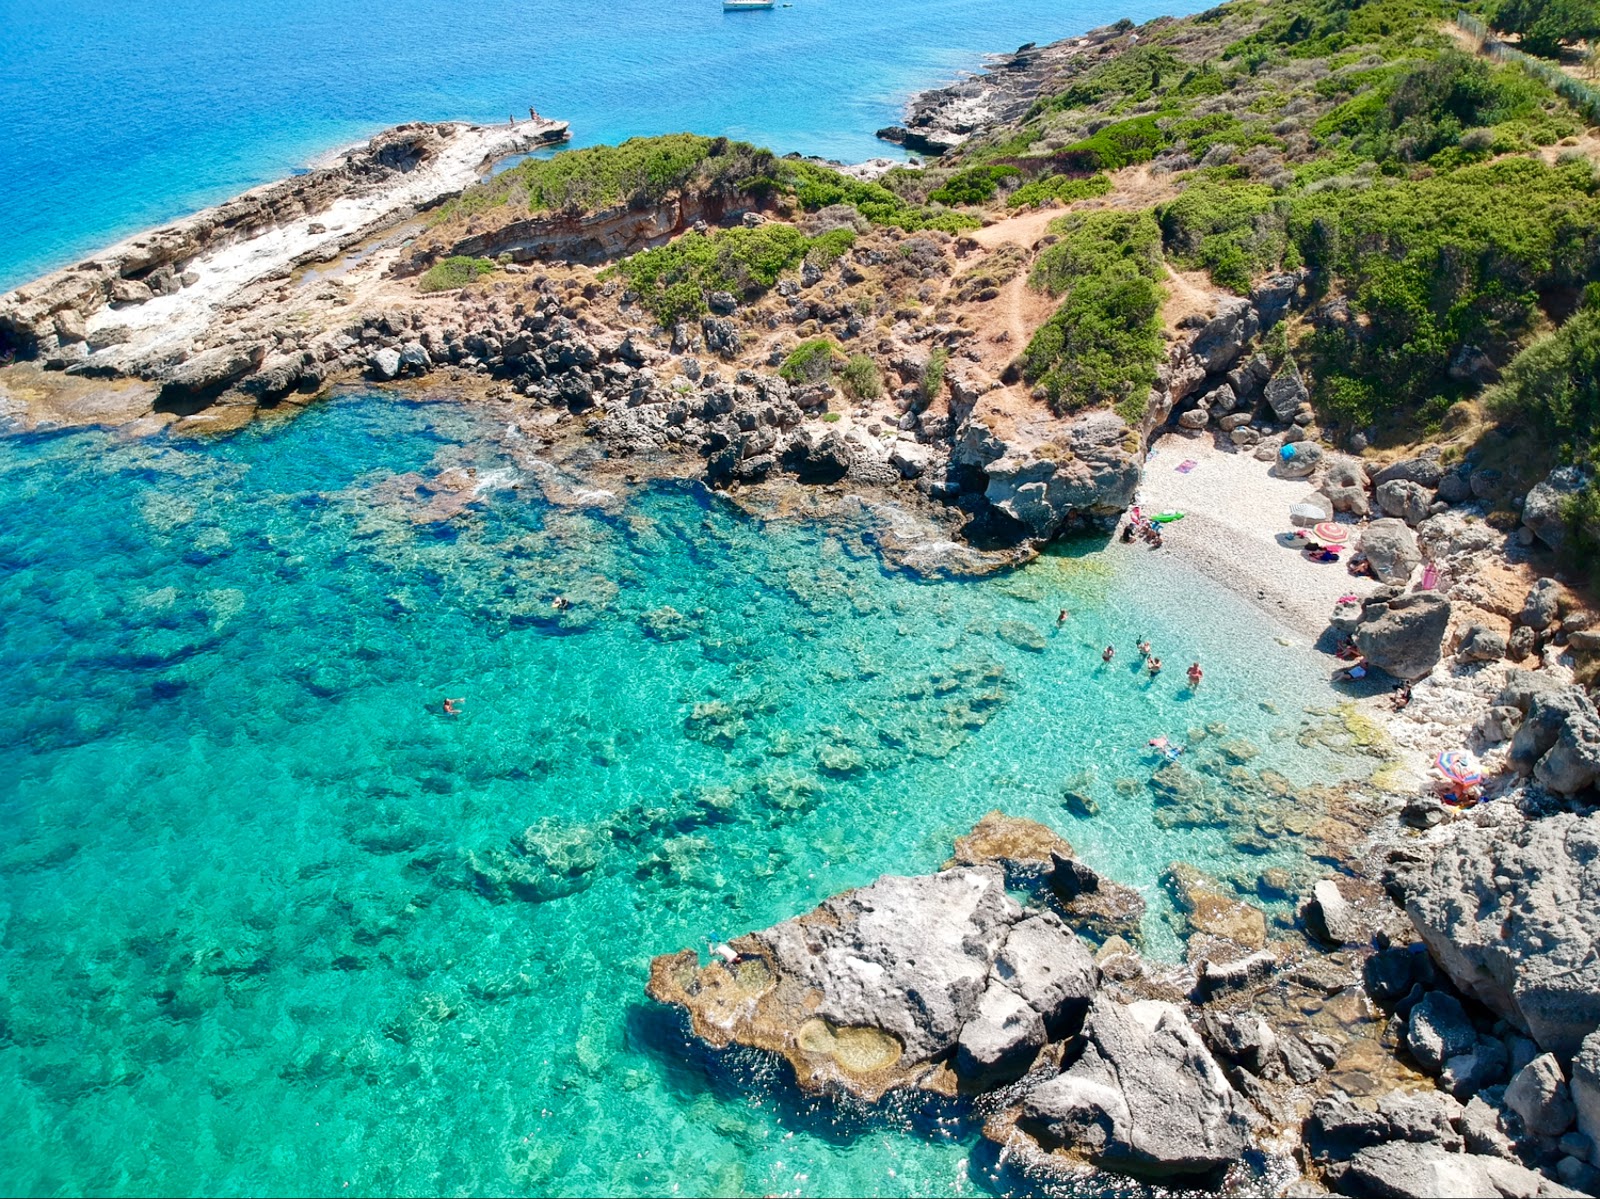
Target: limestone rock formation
{"type": "Point", "coordinates": [1088, 467]}
{"type": "Point", "coordinates": [1544, 509]}
{"type": "Point", "coordinates": [1392, 549]}
{"type": "Point", "coordinates": [1510, 909]}
{"type": "Point", "coordinates": [1146, 1096]}
{"type": "Point", "coordinates": [1402, 632]}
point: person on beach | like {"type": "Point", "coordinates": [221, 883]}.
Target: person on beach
{"type": "Point", "coordinates": [1356, 670]}
{"type": "Point", "coordinates": [450, 707]}
{"type": "Point", "coordinates": [1127, 533]}
{"type": "Point", "coordinates": [1401, 696]}
{"type": "Point", "coordinates": [1195, 675]}
{"type": "Point", "coordinates": [1155, 666]}
{"type": "Point", "coordinates": [1110, 652]}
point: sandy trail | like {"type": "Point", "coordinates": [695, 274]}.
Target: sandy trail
{"type": "Point", "coordinates": [1234, 509]}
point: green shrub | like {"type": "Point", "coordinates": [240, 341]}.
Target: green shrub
{"type": "Point", "coordinates": [860, 378]}
{"type": "Point", "coordinates": [672, 281]}
{"type": "Point", "coordinates": [1091, 243]}
{"type": "Point", "coordinates": [975, 185]}
{"type": "Point", "coordinates": [933, 372]}
{"type": "Point", "coordinates": [1103, 343]}
{"type": "Point", "coordinates": [815, 187]}
{"type": "Point", "coordinates": [1123, 144]}
{"type": "Point", "coordinates": [1554, 385]}
{"type": "Point", "coordinates": [1065, 188]}
{"type": "Point", "coordinates": [1233, 230]}
{"type": "Point", "coordinates": [827, 248]}
{"type": "Point", "coordinates": [810, 362]}
{"type": "Point", "coordinates": [1545, 26]}
{"type": "Point", "coordinates": [1132, 76]}
{"type": "Point", "coordinates": [454, 272]}
{"type": "Point", "coordinates": [640, 170]}
{"type": "Point", "coordinates": [831, 418]}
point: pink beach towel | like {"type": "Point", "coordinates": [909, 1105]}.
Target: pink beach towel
{"type": "Point", "coordinates": [1430, 577]}
{"type": "Point", "coordinates": [1187, 465]}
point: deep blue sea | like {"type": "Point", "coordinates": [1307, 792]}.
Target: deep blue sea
{"type": "Point", "coordinates": [121, 114]}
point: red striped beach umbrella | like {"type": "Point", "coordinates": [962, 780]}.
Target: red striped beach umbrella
{"type": "Point", "coordinates": [1331, 532]}
{"type": "Point", "coordinates": [1459, 767]}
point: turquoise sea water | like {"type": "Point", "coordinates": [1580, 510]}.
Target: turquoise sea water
{"type": "Point", "coordinates": [273, 924]}
{"type": "Point", "coordinates": [122, 115]}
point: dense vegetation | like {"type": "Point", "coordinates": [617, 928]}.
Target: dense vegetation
{"type": "Point", "coordinates": [672, 281]}
{"type": "Point", "coordinates": [453, 272]}
{"type": "Point", "coordinates": [1545, 27]}
{"type": "Point", "coordinates": [1103, 343]}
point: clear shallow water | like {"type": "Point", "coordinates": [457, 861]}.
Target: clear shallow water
{"type": "Point", "coordinates": [272, 924]}
{"type": "Point", "coordinates": [122, 115]}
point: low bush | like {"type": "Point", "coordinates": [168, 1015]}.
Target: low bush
{"type": "Point", "coordinates": [672, 280]}
{"type": "Point", "coordinates": [454, 272]}
{"type": "Point", "coordinates": [860, 378]}
{"type": "Point", "coordinates": [810, 362]}
{"type": "Point", "coordinates": [975, 185]}
{"type": "Point", "coordinates": [933, 372]}
{"type": "Point", "coordinates": [1065, 188]}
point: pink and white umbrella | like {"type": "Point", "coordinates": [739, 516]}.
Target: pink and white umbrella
{"type": "Point", "coordinates": [1459, 767]}
{"type": "Point", "coordinates": [1331, 532]}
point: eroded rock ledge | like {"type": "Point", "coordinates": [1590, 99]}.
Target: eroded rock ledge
{"type": "Point", "coordinates": [1312, 1038]}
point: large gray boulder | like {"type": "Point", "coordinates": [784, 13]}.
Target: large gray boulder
{"type": "Point", "coordinates": [211, 369]}
{"type": "Point", "coordinates": [819, 457]}
{"type": "Point", "coordinates": [1437, 1030]}
{"type": "Point", "coordinates": [910, 956]}
{"type": "Point", "coordinates": [1001, 1039]}
{"type": "Point", "coordinates": [1412, 1170]}
{"type": "Point", "coordinates": [1544, 509]}
{"type": "Point", "coordinates": [1585, 1089]}
{"type": "Point", "coordinates": [1044, 962]}
{"type": "Point", "coordinates": [1224, 336]}
{"type": "Point", "coordinates": [1558, 741]}
{"type": "Point", "coordinates": [1538, 1093]}
{"type": "Point", "coordinates": [1392, 549]}
{"type": "Point", "coordinates": [1146, 1096]}
{"type": "Point", "coordinates": [1403, 632]}
{"type": "Point", "coordinates": [1541, 605]}
{"type": "Point", "coordinates": [1425, 471]}
{"type": "Point", "coordinates": [1088, 469]}
{"type": "Point", "coordinates": [1286, 391]}
{"type": "Point", "coordinates": [1409, 501]}
{"type": "Point", "coordinates": [1509, 908]}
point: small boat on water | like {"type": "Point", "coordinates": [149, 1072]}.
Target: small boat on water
{"type": "Point", "coordinates": [741, 5]}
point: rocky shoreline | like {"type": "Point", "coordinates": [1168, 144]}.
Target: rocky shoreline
{"type": "Point", "coordinates": [1349, 1050]}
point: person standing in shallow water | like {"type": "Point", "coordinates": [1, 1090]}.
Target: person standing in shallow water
{"type": "Point", "coordinates": [1195, 675]}
{"type": "Point", "coordinates": [1110, 652]}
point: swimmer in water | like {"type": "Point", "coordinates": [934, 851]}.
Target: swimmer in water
{"type": "Point", "coordinates": [1144, 648]}
{"type": "Point", "coordinates": [1195, 675]}
{"type": "Point", "coordinates": [450, 706]}
{"type": "Point", "coordinates": [1062, 619]}
{"type": "Point", "coordinates": [1110, 652]}
{"type": "Point", "coordinates": [1155, 666]}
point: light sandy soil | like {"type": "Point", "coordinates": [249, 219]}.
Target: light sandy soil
{"type": "Point", "coordinates": [1234, 508]}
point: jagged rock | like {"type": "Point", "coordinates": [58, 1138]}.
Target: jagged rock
{"type": "Point", "coordinates": [1243, 1038]}
{"type": "Point", "coordinates": [1392, 549]}
{"type": "Point", "coordinates": [819, 459]}
{"type": "Point", "coordinates": [722, 335]}
{"type": "Point", "coordinates": [910, 458]}
{"type": "Point", "coordinates": [1455, 487]}
{"type": "Point", "coordinates": [1585, 1090]}
{"type": "Point", "coordinates": [1558, 741]}
{"type": "Point", "coordinates": [1286, 391]}
{"type": "Point", "coordinates": [1482, 1066]}
{"type": "Point", "coordinates": [414, 359]}
{"type": "Point", "coordinates": [1437, 1030]}
{"type": "Point", "coordinates": [1094, 902]}
{"type": "Point", "coordinates": [1540, 1096]}
{"type": "Point", "coordinates": [1219, 342]}
{"type": "Point", "coordinates": [384, 364]}
{"type": "Point", "coordinates": [1544, 509]}
{"type": "Point", "coordinates": [1273, 297]}
{"type": "Point", "coordinates": [70, 326]}
{"type": "Point", "coordinates": [1402, 633]}
{"type": "Point", "coordinates": [1482, 1131]}
{"type": "Point", "coordinates": [1145, 1097]}
{"type": "Point", "coordinates": [1510, 911]}
{"type": "Point", "coordinates": [1001, 1039]}
{"type": "Point", "coordinates": [1480, 643]}
{"type": "Point", "coordinates": [1331, 919]}
{"type": "Point", "coordinates": [1044, 962]}
{"type": "Point", "coordinates": [129, 291]}
{"type": "Point", "coordinates": [1042, 488]}
{"type": "Point", "coordinates": [1542, 605]}
{"type": "Point", "coordinates": [1244, 436]}
{"type": "Point", "coordinates": [216, 368]}
{"type": "Point", "coordinates": [1407, 1170]}
{"type": "Point", "coordinates": [1409, 501]}
{"type": "Point", "coordinates": [1521, 643]}
{"type": "Point", "coordinates": [722, 303]}
{"type": "Point", "coordinates": [1338, 1127]}
{"type": "Point", "coordinates": [1194, 418]}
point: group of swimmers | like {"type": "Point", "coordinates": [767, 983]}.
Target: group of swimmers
{"type": "Point", "coordinates": [1152, 663]}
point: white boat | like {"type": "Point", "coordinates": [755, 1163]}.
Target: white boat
{"type": "Point", "coordinates": [741, 5]}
